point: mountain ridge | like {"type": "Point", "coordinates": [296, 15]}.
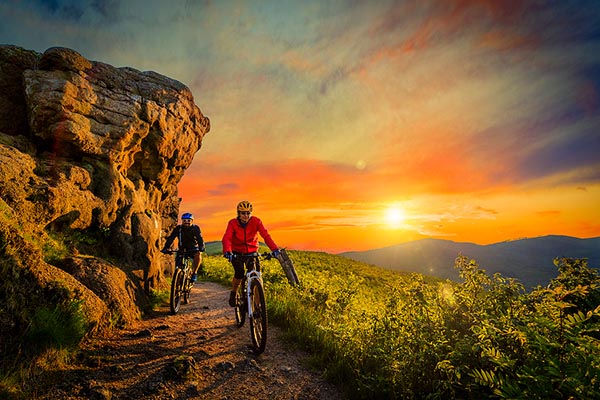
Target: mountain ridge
{"type": "Point", "coordinates": [530, 260]}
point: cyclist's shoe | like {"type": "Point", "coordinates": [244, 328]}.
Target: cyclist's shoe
{"type": "Point", "coordinates": [232, 299]}
{"type": "Point", "coordinates": [194, 278]}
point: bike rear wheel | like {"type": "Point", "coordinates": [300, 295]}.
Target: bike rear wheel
{"type": "Point", "coordinates": [240, 305]}
{"type": "Point", "coordinates": [258, 322]}
{"type": "Point", "coordinates": [176, 290]}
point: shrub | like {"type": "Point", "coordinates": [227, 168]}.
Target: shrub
{"type": "Point", "coordinates": [60, 327]}
{"type": "Point", "coordinates": [381, 334]}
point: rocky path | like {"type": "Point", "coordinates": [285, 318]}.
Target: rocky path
{"type": "Point", "coordinates": [197, 354]}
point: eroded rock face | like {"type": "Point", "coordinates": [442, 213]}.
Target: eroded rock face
{"type": "Point", "coordinates": [88, 147]}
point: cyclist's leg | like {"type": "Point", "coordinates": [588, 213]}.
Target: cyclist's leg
{"type": "Point", "coordinates": [238, 274]}
{"type": "Point", "coordinates": [196, 263]}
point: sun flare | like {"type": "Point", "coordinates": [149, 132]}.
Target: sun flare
{"type": "Point", "coordinates": [394, 216]}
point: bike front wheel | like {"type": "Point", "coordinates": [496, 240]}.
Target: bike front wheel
{"type": "Point", "coordinates": [258, 322]}
{"type": "Point", "coordinates": [176, 290]}
{"type": "Point", "coordinates": [187, 287]}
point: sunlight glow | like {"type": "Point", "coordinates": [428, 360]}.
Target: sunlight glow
{"type": "Point", "coordinates": [394, 216]}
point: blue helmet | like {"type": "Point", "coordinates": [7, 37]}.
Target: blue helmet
{"type": "Point", "coordinates": [187, 216]}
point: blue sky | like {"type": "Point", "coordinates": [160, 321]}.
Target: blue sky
{"type": "Point", "coordinates": [478, 120]}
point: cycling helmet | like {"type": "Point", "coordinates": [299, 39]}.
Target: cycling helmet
{"type": "Point", "coordinates": [244, 206]}
{"type": "Point", "coordinates": [187, 216]}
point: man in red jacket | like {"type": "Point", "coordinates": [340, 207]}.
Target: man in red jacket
{"type": "Point", "coordinates": [240, 244]}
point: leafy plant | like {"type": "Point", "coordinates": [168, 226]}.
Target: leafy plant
{"type": "Point", "coordinates": [58, 327]}
{"type": "Point", "coordinates": [381, 334]}
{"type": "Point", "coordinates": [158, 298]}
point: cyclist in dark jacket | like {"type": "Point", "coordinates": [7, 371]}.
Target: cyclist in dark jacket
{"type": "Point", "coordinates": [241, 239]}
{"type": "Point", "coordinates": [189, 240]}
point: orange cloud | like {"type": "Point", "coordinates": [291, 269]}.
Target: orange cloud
{"type": "Point", "coordinates": [548, 213]}
{"type": "Point", "coordinates": [310, 204]}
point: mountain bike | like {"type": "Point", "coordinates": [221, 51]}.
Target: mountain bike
{"type": "Point", "coordinates": [250, 300]}
{"type": "Point", "coordinates": [181, 283]}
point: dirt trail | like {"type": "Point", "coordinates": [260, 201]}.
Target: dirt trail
{"type": "Point", "coordinates": [149, 361]}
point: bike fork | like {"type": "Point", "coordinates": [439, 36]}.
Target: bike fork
{"type": "Point", "coordinates": [249, 298]}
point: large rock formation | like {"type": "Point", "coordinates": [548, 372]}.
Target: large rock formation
{"type": "Point", "coordinates": [90, 159]}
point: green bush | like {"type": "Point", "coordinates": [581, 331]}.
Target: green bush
{"type": "Point", "coordinates": [60, 327]}
{"type": "Point", "coordinates": [380, 334]}
{"type": "Point", "coordinates": [558, 330]}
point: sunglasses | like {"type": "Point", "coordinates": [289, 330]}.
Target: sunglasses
{"type": "Point", "coordinates": [244, 212]}
{"type": "Point", "coordinates": [186, 221]}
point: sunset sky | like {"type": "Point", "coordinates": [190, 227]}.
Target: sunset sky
{"type": "Point", "coordinates": [353, 125]}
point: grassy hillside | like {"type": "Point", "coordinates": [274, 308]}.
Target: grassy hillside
{"type": "Point", "coordinates": [528, 260]}
{"type": "Point", "coordinates": [383, 334]}
{"type": "Point", "coordinates": [214, 248]}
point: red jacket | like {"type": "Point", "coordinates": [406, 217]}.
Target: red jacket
{"type": "Point", "coordinates": [244, 239]}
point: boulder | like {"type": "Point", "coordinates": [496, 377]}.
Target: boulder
{"type": "Point", "coordinates": [90, 159]}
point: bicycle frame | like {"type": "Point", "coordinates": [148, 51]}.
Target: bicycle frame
{"type": "Point", "coordinates": [186, 260]}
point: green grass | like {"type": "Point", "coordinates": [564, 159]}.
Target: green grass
{"type": "Point", "coordinates": [49, 343]}
{"type": "Point", "coordinates": [381, 334]}
{"type": "Point", "coordinates": [378, 333]}
{"type": "Point", "coordinates": [62, 326]}
{"type": "Point", "coordinates": [55, 249]}
{"type": "Point", "coordinates": [159, 298]}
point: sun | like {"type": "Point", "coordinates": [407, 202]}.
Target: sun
{"type": "Point", "coordinates": [394, 216]}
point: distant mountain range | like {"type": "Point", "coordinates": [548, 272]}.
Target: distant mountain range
{"type": "Point", "coordinates": [528, 260]}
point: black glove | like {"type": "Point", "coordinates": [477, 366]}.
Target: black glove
{"type": "Point", "coordinates": [228, 256]}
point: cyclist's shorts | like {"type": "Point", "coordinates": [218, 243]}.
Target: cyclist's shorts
{"type": "Point", "coordinates": [249, 260]}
